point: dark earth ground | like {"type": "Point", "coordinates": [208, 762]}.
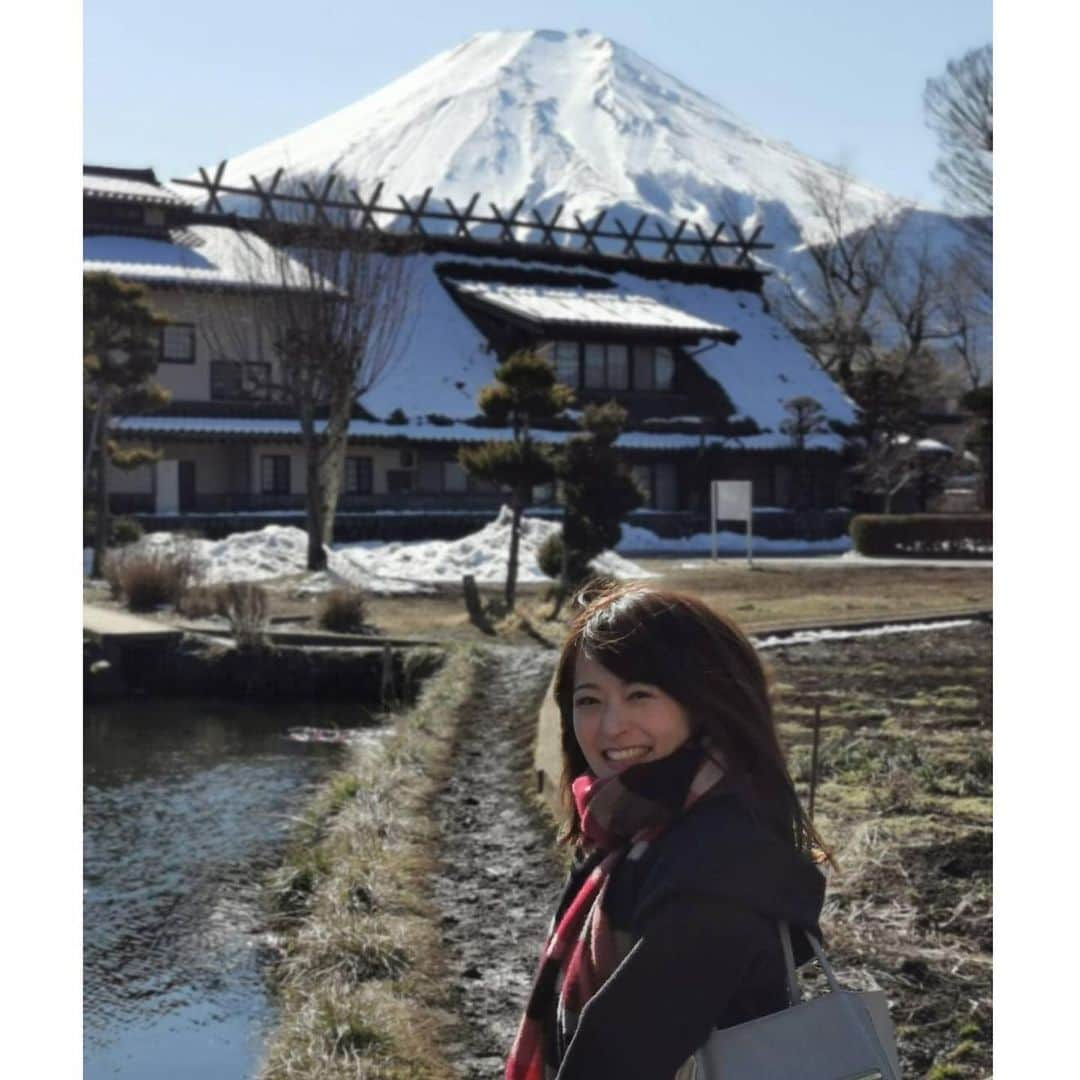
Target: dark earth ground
{"type": "Point", "coordinates": [904, 801]}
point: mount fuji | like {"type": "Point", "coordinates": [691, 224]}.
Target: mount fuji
{"type": "Point", "coordinates": [572, 118]}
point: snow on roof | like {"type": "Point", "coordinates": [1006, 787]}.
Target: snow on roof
{"type": "Point", "coordinates": [419, 431]}
{"type": "Point", "coordinates": [766, 368]}
{"type": "Point", "coordinates": [222, 256]}
{"type": "Point", "coordinates": [128, 189]}
{"type": "Point", "coordinates": [447, 360]}
{"type": "Point", "coordinates": [925, 446]}
{"type": "Point", "coordinates": [546, 305]}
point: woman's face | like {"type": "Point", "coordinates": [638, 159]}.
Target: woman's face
{"type": "Point", "coordinates": [619, 724]}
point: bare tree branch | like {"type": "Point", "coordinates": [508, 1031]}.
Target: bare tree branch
{"type": "Point", "coordinates": [960, 109]}
{"type": "Point", "coordinates": [330, 312]}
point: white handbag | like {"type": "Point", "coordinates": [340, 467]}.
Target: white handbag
{"type": "Point", "coordinates": [841, 1035]}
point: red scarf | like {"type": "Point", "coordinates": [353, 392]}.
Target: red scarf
{"type": "Point", "coordinates": [621, 816]}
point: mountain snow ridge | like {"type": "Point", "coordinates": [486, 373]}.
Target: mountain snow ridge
{"type": "Point", "coordinates": [556, 117]}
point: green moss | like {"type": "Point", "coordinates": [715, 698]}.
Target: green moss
{"type": "Point", "coordinates": [944, 1070]}
{"type": "Point", "coordinates": [963, 1050]}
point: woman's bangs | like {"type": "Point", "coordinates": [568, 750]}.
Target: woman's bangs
{"type": "Point", "coordinates": [625, 650]}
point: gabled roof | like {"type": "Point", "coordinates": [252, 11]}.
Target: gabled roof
{"type": "Point", "coordinates": [210, 256]}
{"type": "Point", "coordinates": [127, 185]}
{"type": "Point", "coordinates": [548, 309]}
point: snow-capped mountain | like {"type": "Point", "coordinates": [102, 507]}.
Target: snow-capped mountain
{"type": "Point", "coordinates": [570, 118]}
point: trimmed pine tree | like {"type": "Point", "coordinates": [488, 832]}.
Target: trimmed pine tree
{"type": "Point", "coordinates": [597, 493]}
{"type": "Point", "coordinates": [119, 363]}
{"type": "Point", "coordinates": [524, 391]}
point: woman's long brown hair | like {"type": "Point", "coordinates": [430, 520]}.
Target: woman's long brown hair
{"type": "Point", "coordinates": [704, 661]}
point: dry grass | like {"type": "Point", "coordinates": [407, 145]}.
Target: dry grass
{"type": "Point", "coordinates": [905, 798]}
{"type": "Point", "coordinates": [768, 594]}
{"type": "Point", "coordinates": [343, 610]}
{"type": "Point", "coordinates": [146, 579]}
{"type": "Point", "coordinates": [361, 984]}
{"type": "Point", "coordinates": [781, 592]}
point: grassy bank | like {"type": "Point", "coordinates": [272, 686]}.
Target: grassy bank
{"type": "Point", "coordinates": [905, 801]}
{"type": "Point", "coordinates": [360, 984]}
{"type": "Point", "coordinates": [768, 594]}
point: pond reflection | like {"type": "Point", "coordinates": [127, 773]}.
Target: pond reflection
{"type": "Point", "coordinates": [186, 805]}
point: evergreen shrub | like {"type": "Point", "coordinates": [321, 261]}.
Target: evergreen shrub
{"type": "Point", "coordinates": [126, 530]}
{"type": "Point", "coordinates": [122, 530]}
{"type": "Point", "coordinates": [343, 611]}
{"type": "Point", "coordinates": [929, 535]}
{"type": "Point", "coordinates": [549, 557]}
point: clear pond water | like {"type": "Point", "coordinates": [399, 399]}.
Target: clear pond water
{"type": "Point", "coordinates": [186, 806]}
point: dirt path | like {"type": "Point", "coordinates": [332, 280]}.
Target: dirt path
{"type": "Point", "coordinates": [497, 889]}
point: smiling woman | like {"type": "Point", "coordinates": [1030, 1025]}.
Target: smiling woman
{"type": "Point", "coordinates": [690, 846]}
{"type": "Point", "coordinates": [619, 724]}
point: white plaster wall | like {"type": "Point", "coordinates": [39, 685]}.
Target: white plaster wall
{"type": "Point", "coordinates": [224, 330]}
{"type": "Point", "coordinates": [138, 481]}
{"type": "Point", "coordinates": [220, 468]}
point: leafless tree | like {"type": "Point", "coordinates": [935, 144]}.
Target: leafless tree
{"type": "Point", "coordinates": [968, 309]}
{"type": "Point", "coordinates": [960, 108]}
{"type": "Point", "coordinates": [805, 417]}
{"type": "Point", "coordinates": [833, 303]}
{"type": "Point", "coordinates": [871, 301]}
{"type": "Point", "coordinates": [890, 465]}
{"type": "Point", "coordinates": [330, 306]}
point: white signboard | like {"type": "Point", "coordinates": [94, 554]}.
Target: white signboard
{"type": "Point", "coordinates": [732, 500]}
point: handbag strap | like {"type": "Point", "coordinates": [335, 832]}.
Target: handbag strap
{"type": "Point", "coordinates": [794, 990]}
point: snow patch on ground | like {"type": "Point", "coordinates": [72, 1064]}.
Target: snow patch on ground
{"type": "Point", "coordinates": [482, 554]}
{"type": "Point", "coordinates": [266, 555]}
{"type": "Point", "coordinates": [638, 540]}
{"type": "Point", "coordinates": [280, 552]}
{"type": "Point", "coordinates": [807, 637]}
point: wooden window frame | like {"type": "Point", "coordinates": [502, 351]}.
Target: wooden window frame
{"type": "Point", "coordinates": [576, 346]}
{"type": "Point", "coordinates": [280, 474]}
{"type": "Point", "coordinates": [189, 359]}
{"type": "Point", "coordinates": [358, 472]}
{"type": "Point", "coordinates": [631, 384]}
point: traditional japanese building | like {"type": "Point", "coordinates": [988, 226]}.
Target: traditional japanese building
{"type": "Point", "coordinates": [680, 337]}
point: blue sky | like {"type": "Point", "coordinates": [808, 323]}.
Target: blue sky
{"type": "Point", "coordinates": [175, 86]}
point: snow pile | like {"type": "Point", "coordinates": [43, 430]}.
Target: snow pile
{"type": "Point", "coordinates": [274, 552]}
{"type": "Point", "coordinates": [280, 551]}
{"type": "Point", "coordinates": [401, 567]}
{"type": "Point", "coordinates": [482, 554]}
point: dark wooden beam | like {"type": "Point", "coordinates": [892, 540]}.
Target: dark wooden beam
{"type": "Point", "coordinates": [676, 247]}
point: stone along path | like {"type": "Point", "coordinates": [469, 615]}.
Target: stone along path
{"type": "Point", "coordinates": [498, 884]}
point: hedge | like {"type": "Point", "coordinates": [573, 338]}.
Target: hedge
{"type": "Point", "coordinates": [930, 535]}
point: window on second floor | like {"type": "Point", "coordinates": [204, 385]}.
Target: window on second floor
{"type": "Point", "coordinates": [177, 344]}
{"type": "Point", "coordinates": [614, 367]}
{"type": "Point", "coordinates": [231, 380]}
